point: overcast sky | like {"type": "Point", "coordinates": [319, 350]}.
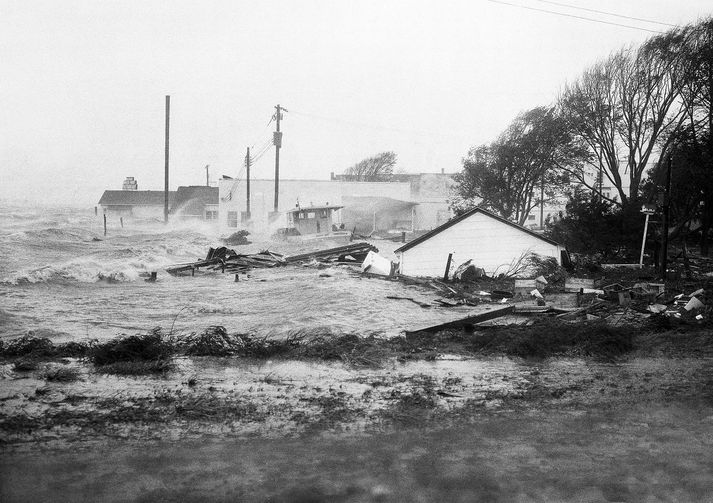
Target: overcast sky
{"type": "Point", "coordinates": [83, 83]}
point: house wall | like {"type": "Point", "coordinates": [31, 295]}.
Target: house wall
{"type": "Point", "coordinates": [490, 243]}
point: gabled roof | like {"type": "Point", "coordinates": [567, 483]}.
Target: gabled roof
{"type": "Point", "coordinates": [312, 208]}
{"type": "Point", "coordinates": [135, 198]}
{"type": "Point", "coordinates": [454, 221]}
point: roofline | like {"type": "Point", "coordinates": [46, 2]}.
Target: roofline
{"type": "Point", "coordinates": [308, 208]}
{"type": "Point", "coordinates": [465, 215]}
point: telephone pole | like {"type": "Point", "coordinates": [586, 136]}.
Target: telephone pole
{"type": "Point", "coordinates": [277, 141]}
{"type": "Point", "coordinates": [165, 187]}
{"type": "Point", "coordinates": [207, 179]}
{"type": "Point", "coordinates": [247, 166]}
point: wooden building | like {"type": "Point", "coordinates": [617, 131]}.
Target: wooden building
{"type": "Point", "coordinates": [312, 219]}
{"type": "Point", "coordinates": [491, 242]}
{"type": "Point", "coordinates": [141, 204]}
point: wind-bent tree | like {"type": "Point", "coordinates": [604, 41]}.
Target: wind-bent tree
{"type": "Point", "coordinates": [623, 110]}
{"type": "Point", "coordinates": [695, 144]}
{"type": "Point", "coordinates": [518, 172]}
{"type": "Point", "coordinates": [379, 168]}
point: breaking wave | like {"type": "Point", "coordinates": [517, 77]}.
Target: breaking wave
{"type": "Point", "coordinates": [71, 254]}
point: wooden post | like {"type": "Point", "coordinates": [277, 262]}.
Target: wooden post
{"type": "Point", "coordinates": [403, 236]}
{"type": "Point", "coordinates": [643, 241]}
{"type": "Point", "coordinates": [121, 221]}
{"type": "Point", "coordinates": [105, 224]}
{"type": "Point", "coordinates": [448, 267]}
{"type": "Point", "coordinates": [96, 212]}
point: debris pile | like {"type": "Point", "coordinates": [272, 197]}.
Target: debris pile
{"type": "Point", "coordinates": [354, 253]}
{"type": "Point", "coordinates": [227, 260]}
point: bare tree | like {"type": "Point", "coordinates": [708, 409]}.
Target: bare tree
{"type": "Point", "coordinates": [378, 168]}
{"type": "Point", "coordinates": [623, 110]}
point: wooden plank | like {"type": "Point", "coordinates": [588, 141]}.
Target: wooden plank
{"type": "Point", "coordinates": [575, 284]}
{"type": "Point", "coordinates": [468, 321]}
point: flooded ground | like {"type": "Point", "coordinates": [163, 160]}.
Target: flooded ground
{"type": "Point", "coordinates": [498, 429]}
{"type": "Point", "coordinates": [432, 425]}
{"type": "Point", "coordinates": [70, 282]}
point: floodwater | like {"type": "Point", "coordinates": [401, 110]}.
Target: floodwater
{"type": "Point", "coordinates": [62, 278]}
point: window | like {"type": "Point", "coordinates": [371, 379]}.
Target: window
{"type": "Point", "coordinates": [211, 215]}
{"type": "Point", "coordinates": [310, 214]}
{"type": "Point", "coordinates": [232, 219]}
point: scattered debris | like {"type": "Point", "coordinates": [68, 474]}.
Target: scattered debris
{"type": "Point", "coordinates": [467, 271]}
{"type": "Point", "coordinates": [420, 304]}
{"type": "Point", "coordinates": [576, 284]}
{"type": "Point", "coordinates": [237, 238]}
{"type": "Point", "coordinates": [354, 253]}
{"type": "Point", "coordinates": [225, 259]}
{"type": "Point", "coordinates": [376, 264]}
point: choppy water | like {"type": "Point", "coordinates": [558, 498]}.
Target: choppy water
{"type": "Point", "coordinates": [61, 276]}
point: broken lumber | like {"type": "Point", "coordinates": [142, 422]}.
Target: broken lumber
{"type": "Point", "coordinates": [351, 253]}
{"type": "Point", "coordinates": [468, 321]}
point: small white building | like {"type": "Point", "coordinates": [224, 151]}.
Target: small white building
{"type": "Point", "coordinates": [490, 241]}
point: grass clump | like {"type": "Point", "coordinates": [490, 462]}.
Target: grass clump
{"type": "Point", "coordinates": [30, 346]}
{"type": "Point", "coordinates": [547, 338]}
{"type": "Point", "coordinates": [57, 373]}
{"type": "Point", "coordinates": [214, 341]}
{"type": "Point", "coordinates": [135, 354]}
{"type": "Point", "coordinates": [25, 365]}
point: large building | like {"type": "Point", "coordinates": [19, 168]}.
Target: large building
{"type": "Point", "coordinates": [407, 202]}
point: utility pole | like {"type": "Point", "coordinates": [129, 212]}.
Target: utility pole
{"type": "Point", "coordinates": [277, 141]}
{"type": "Point", "coordinates": [165, 186]}
{"type": "Point", "coordinates": [207, 179]}
{"type": "Point", "coordinates": [666, 208]}
{"type": "Point", "coordinates": [247, 165]}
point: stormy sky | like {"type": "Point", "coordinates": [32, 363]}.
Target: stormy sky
{"type": "Point", "coordinates": [83, 82]}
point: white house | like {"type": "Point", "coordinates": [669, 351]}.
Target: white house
{"type": "Point", "coordinates": [491, 242]}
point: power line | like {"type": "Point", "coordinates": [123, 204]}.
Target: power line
{"type": "Point", "coordinates": [608, 13]}
{"type": "Point", "coordinates": [371, 126]}
{"type": "Point", "coordinates": [574, 16]}
{"type": "Point", "coordinates": [261, 132]}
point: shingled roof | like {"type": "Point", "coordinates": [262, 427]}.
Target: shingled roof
{"type": "Point", "coordinates": [135, 198]}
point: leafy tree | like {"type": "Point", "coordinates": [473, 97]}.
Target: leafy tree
{"type": "Point", "coordinates": [509, 175]}
{"type": "Point", "coordinates": [592, 225]}
{"type": "Point", "coordinates": [378, 168]}
{"type": "Point", "coordinates": [691, 198]}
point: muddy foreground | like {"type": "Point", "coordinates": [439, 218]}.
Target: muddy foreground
{"type": "Point", "coordinates": [455, 425]}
